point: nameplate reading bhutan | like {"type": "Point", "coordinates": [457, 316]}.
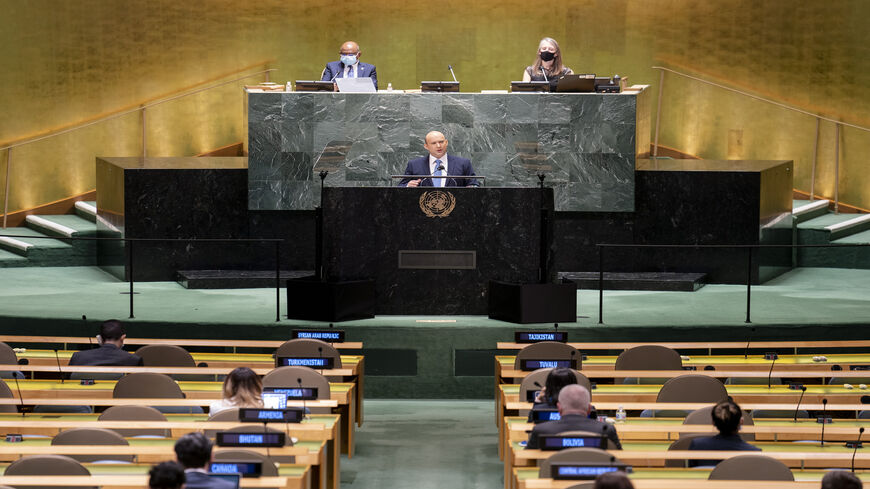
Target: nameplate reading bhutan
{"type": "Point", "coordinates": [437, 203]}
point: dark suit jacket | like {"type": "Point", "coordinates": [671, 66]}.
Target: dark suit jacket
{"type": "Point", "coordinates": [199, 480]}
{"type": "Point", "coordinates": [574, 422]}
{"type": "Point", "coordinates": [335, 69]}
{"type": "Point", "coordinates": [455, 166]}
{"type": "Point", "coordinates": [718, 442]}
{"type": "Point", "coordinates": [105, 355]}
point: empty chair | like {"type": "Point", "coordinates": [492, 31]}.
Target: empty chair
{"type": "Point", "coordinates": [751, 467]}
{"type": "Point", "coordinates": [135, 413]}
{"type": "Point", "coordinates": [150, 385]}
{"type": "Point", "coordinates": [6, 393]}
{"type": "Point", "coordinates": [648, 357]}
{"type": "Point", "coordinates": [548, 350]}
{"type": "Point", "coordinates": [92, 436]}
{"type": "Point", "coordinates": [583, 485]}
{"type": "Point", "coordinates": [229, 414]}
{"type": "Point", "coordinates": [704, 417]}
{"type": "Point", "coordinates": [47, 465]}
{"type": "Point", "coordinates": [682, 444]}
{"type": "Point", "coordinates": [304, 347]}
{"type": "Point", "coordinates": [165, 356]}
{"type": "Point", "coordinates": [296, 377]}
{"type": "Point", "coordinates": [688, 388]}
{"type": "Point", "coordinates": [8, 357]}
{"type": "Point", "coordinates": [592, 455]}
{"type": "Point", "coordinates": [779, 413]}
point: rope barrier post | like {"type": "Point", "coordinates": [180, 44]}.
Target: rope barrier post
{"type": "Point", "coordinates": [130, 271]}
{"type": "Point", "coordinates": [277, 281]}
{"type": "Point", "coordinates": [6, 193]}
{"type": "Point", "coordinates": [837, 170]}
{"type": "Point", "coordinates": [600, 284]}
{"type": "Point", "coordinates": [658, 114]}
{"type": "Point", "coordinates": [815, 160]}
{"type": "Point", "coordinates": [748, 283]}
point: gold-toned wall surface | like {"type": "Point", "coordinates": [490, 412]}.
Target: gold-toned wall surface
{"type": "Point", "coordinates": [65, 62]}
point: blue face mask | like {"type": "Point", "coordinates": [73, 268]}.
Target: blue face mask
{"type": "Point", "coordinates": [348, 59]}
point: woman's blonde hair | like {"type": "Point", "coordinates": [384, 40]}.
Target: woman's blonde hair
{"type": "Point", "coordinates": [243, 388]}
{"type": "Point", "coordinates": [557, 61]}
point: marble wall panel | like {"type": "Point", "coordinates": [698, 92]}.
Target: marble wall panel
{"type": "Point", "coordinates": [584, 143]}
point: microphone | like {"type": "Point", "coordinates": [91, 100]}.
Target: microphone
{"type": "Point", "coordinates": [20, 398]}
{"type": "Point", "coordinates": [302, 395]}
{"type": "Point", "coordinates": [769, 372]}
{"type": "Point", "coordinates": [452, 73]}
{"type": "Point", "coordinates": [857, 446]}
{"type": "Point", "coordinates": [824, 420]}
{"type": "Point", "coordinates": [545, 74]}
{"type": "Point", "coordinates": [320, 355]}
{"type": "Point", "coordinates": [749, 340]}
{"type": "Point", "coordinates": [573, 361]}
{"type": "Point", "coordinates": [803, 390]}
{"type": "Point", "coordinates": [57, 359]}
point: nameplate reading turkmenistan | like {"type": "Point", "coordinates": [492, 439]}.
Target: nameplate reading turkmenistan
{"type": "Point", "coordinates": [327, 335]}
{"type": "Point", "coordinates": [312, 362]}
{"type": "Point", "coordinates": [438, 259]}
{"type": "Point", "coordinates": [536, 336]}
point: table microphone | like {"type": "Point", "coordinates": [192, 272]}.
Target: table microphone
{"type": "Point", "coordinates": [824, 420]}
{"type": "Point", "coordinates": [452, 73]}
{"type": "Point", "coordinates": [543, 72]}
{"type": "Point", "coordinates": [857, 446]}
{"type": "Point", "coordinates": [57, 359]}
{"type": "Point", "coordinates": [302, 395]}
{"type": "Point", "coordinates": [15, 376]}
{"type": "Point", "coordinates": [573, 364]}
{"type": "Point", "coordinates": [769, 372]}
{"type": "Point", "coordinates": [803, 390]}
{"type": "Point", "coordinates": [749, 340]}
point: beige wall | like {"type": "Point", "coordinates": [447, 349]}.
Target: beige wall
{"type": "Point", "coordinates": [65, 61]}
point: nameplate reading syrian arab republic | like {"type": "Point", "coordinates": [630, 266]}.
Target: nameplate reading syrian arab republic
{"type": "Point", "coordinates": [437, 203]}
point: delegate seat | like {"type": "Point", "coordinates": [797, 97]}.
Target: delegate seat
{"type": "Point", "coordinates": [135, 413]}
{"type": "Point", "coordinates": [150, 385]}
{"type": "Point", "coordinates": [751, 467]}
{"type": "Point", "coordinates": [648, 357]}
{"type": "Point", "coordinates": [304, 347]}
{"type": "Point", "coordinates": [171, 356]}
{"type": "Point", "coordinates": [688, 388]}
{"type": "Point", "coordinates": [92, 436]}
{"type": "Point", "coordinates": [47, 465]}
{"type": "Point", "coordinates": [296, 377]}
{"type": "Point", "coordinates": [6, 393]}
{"type": "Point", "coordinates": [548, 350]}
{"type": "Point", "coordinates": [536, 380]}
{"type": "Point", "coordinates": [682, 444]}
{"type": "Point", "coordinates": [8, 357]}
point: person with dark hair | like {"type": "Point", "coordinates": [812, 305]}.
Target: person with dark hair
{"type": "Point", "coordinates": [841, 479]}
{"type": "Point", "coordinates": [727, 417]}
{"type": "Point", "coordinates": [110, 352]}
{"type": "Point", "coordinates": [193, 452]}
{"type": "Point", "coordinates": [574, 409]}
{"type": "Point", "coordinates": [613, 480]}
{"type": "Point", "coordinates": [242, 388]}
{"type": "Point", "coordinates": [166, 475]}
{"type": "Point", "coordinates": [548, 397]}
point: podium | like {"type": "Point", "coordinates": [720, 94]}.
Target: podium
{"type": "Point", "coordinates": [433, 251]}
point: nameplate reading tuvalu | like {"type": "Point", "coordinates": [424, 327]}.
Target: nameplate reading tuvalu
{"type": "Point", "coordinates": [437, 203]}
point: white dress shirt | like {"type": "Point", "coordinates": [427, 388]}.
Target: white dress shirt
{"type": "Point", "coordinates": [438, 182]}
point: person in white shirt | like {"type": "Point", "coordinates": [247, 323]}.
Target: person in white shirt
{"type": "Point", "coordinates": [242, 388]}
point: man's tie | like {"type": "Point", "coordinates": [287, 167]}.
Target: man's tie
{"type": "Point", "coordinates": [350, 73]}
{"type": "Point", "coordinates": [438, 182]}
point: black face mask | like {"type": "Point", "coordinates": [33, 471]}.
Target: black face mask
{"type": "Point", "coordinates": [547, 56]}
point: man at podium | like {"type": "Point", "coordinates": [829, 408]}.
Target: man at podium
{"type": "Point", "coordinates": [439, 163]}
{"type": "Point", "coordinates": [349, 65]}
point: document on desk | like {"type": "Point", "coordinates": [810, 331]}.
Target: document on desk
{"type": "Point", "coordinates": [355, 85]}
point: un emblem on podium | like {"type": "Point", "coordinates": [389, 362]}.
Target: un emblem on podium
{"type": "Point", "coordinates": [437, 203]}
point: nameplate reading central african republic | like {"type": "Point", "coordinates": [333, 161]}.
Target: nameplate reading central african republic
{"type": "Point", "coordinates": [437, 203]}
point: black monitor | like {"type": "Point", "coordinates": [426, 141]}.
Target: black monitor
{"type": "Point", "coordinates": [314, 86]}
{"type": "Point", "coordinates": [439, 86]}
{"type": "Point", "coordinates": [530, 86]}
{"type": "Point", "coordinates": [576, 83]}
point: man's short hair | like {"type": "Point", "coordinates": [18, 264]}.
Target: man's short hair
{"type": "Point", "coordinates": [841, 479]}
{"type": "Point", "coordinates": [166, 475]}
{"type": "Point", "coordinates": [726, 416]}
{"type": "Point", "coordinates": [111, 330]}
{"type": "Point", "coordinates": [574, 398]}
{"type": "Point", "coordinates": [613, 480]}
{"type": "Point", "coordinates": [193, 450]}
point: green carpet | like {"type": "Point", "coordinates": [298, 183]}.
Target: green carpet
{"type": "Point", "coordinates": [425, 445]}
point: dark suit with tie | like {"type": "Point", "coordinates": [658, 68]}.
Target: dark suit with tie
{"type": "Point", "coordinates": [718, 442]}
{"type": "Point", "coordinates": [573, 422]}
{"type": "Point", "coordinates": [335, 69]}
{"type": "Point", "coordinates": [455, 166]}
{"type": "Point", "coordinates": [200, 480]}
{"type": "Point", "coordinates": [106, 355]}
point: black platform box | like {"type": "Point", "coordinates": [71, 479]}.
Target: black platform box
{"type": "Point", "coordinates": [309, 298]}
{"type": "Point", "coordinates": [533, 303]}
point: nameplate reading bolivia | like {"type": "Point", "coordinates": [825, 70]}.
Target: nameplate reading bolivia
{"type": "Point", "coordinates": [437, 203]}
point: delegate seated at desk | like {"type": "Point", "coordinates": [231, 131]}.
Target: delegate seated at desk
{"type": "Point", "coordinates": [438, 163]}
{"type": "Point", "coordinates": [574, 411]}
{"type": "Point", "coordinates": [193, 451]}
{"type": "Point", "coordinates": [349, 65]}
{"type": "Point", "coordinates": [548, 63]}
{"type": "Point", "coordinates": [727, 417]}
{"type": "Point", "coordinates": [110, 352]}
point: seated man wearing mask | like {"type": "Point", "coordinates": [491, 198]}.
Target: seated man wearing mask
{"type": "Point", "coordinates": [349, 66]}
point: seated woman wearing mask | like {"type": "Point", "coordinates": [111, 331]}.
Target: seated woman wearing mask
{"type": "Point", "coordinates": [548, 63]}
